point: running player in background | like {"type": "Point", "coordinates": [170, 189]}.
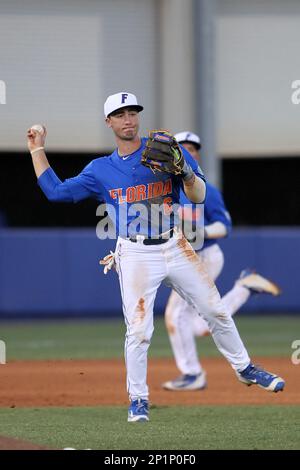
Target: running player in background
{"type": "Point", "coordinates": [182, 321]}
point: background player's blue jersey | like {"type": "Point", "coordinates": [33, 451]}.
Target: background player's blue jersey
{"type": "Point", "coordinates": [122, 182]}
{"type": "Point", "coordinates": [214, 210]}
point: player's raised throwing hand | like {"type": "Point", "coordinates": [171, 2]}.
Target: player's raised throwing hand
{"type": "Point", "coordinates": [36, 137]}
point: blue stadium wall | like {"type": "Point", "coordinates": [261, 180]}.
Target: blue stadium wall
{"type": "Point", "coordinates": [56, 272]}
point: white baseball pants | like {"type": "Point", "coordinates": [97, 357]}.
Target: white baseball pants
{"type": "Point", "coordinates": [183, 322]}
{"type": "Point", "coordinates": [141, 270]}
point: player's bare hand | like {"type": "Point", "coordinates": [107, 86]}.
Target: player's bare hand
{"type": "Point", "coordinates": [108, 262]}
{"type": "Point", "coordinates": [36, 138]}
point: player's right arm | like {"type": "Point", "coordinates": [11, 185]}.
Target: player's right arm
{"type": "Point", "coordinates": [35, 141]}
{"type": "Point", "coordinates": [71, 190]}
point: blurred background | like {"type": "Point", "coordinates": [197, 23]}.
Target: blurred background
{"type": "Point", "coordinates": [221, 68]}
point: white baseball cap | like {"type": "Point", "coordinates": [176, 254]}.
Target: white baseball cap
{"type": "Point", "coordinates": [120, 100]}
{"type": "Point", "coordinates": [188, 137]}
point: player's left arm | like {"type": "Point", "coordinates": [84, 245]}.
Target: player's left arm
{"type": "Point", "coordinates": [219, 220]}
{"type": "Point", "coordinates": [215, 230]}
{"type": "Point", "coordinates": [193, 179]}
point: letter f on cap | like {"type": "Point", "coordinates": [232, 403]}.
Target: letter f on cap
{"type": "Point", "coordinates": [124, 97]}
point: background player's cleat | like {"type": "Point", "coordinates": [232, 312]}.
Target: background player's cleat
{"type": "Point", "coordinates": [187, 382]}
{"type": "Point", "coordinates": [257, 283]}
{"type": "Point", "coordinates": [254, 375]}
{"type": "Point", "coordinates": [138, 411]}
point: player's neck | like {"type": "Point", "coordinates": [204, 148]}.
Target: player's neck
{"type": "Point", "coordinates": [126, 147]}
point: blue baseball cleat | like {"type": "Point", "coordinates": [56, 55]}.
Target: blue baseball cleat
{"type": "Point", "coordinates": [138, 411]}
{"type": "Point", "coordinates": [187, 383]}
{"type": "Point", "coordinates": [257, 284]}
{"type": "Point", "coordinates": [254, 375]}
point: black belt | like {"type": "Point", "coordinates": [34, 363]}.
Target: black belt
{"type": "Point", "coordinates": [154, 241]}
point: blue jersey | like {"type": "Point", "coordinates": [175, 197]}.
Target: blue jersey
{"type": "Point", "coordinates": [122, 182]}
{"type": "Point", "coordinates": [214, 210]}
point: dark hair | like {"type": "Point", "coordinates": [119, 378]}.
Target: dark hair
{"type": "Point", "coordinates": [197, 146]}
{"type": "Point", "coordinates": [117, 111]}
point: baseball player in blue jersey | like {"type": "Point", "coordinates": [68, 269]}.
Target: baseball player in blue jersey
{"type": "Point", "coordinates": [182, 321]}
{"type": "Point", "coordinates": [153, 255]}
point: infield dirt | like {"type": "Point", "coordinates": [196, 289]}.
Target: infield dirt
{"type": "Point", "coordinates": [103, 382]}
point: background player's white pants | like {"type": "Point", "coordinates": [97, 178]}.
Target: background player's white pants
{"type": "Point", "coordinates": [141, 270]}
{"type": "Point", "coordinates": [183, 323]}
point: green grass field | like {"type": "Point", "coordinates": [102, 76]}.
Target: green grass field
{"type": "Point", "coordinates": [263, 336]}
{"type": "Point", "coordinates": [170, 428]}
